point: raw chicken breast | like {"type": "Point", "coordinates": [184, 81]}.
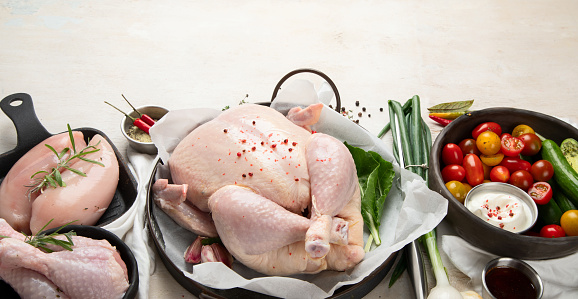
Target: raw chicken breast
{"type": "Point", "coordinates": [84, 199]}
{"type": "Point", "coordinates": [249, 145]}
{"type": "Point", "coordinates": [283, 201]}
{"type": "Point", "coordinates": [15, 205]}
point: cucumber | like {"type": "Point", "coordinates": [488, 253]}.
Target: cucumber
{"type": "Point", "coordinates": [564, 175]}
{"type": "Point", "coordinates": [563, 202]}
{"type": "Point", "coordinates": [550, 213]}
{"type": "Point", "coordinates": [569, 148]}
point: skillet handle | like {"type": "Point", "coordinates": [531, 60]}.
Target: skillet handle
{"type": "Point", "coordinates": [313, 71]}
{"type": "Point", "coordinates": [20, 109]}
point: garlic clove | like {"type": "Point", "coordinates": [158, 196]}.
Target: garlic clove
{"type": "Point", "coordinates": [216, 252]}
{"type": "Point", "coordinates": [193, 252]}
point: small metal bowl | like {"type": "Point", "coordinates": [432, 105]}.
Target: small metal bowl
{"type": "Point", "coordinates": [523, 267]}
{"type": "Point", "coordinates": [507, 189]}
{"type": "Point", "coordinates": [156, 112]}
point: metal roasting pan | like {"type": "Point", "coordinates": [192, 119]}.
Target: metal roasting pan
{"type": "Point", "coordinates": [161, 235]}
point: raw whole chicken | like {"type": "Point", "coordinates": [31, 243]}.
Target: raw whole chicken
{"type": "Point", "coordinates": [83, 199]}
{"type": "Point", "coordinates": [93, 269]}
{"type": "Point", "coordinates": [282, 200]}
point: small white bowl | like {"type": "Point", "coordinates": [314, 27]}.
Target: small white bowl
{"type": "Point", "coordinates": [156, 112]}
{"type": "Point", "coordinates": [506, 189]}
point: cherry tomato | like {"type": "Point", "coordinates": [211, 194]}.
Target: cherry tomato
{"type": "Point", "coordinates": [521, 179]}
{"type": "Point", "coordinates": [474, 169]}
{"type": "Point", "coordinates": [492, 160]}
{"type": "Point", "coordinates": [569, 222]}
{"type": "Point", "coordinates": [511, 146]}
{"type": "Point", "coordinates": [467, 186]}
{"type": "Point", "coordinates": [514, 164]}
{"type": "Point", "coordinates": [504, 135]}
{"type": "Point", "coordinates": [468, 146]}
{"type": "Point", "coordinates": [522, 129]}
{"type": "Point", "coordinates": [542, 171]}
{"type": "Point", "coordinates": [457, 189]}
{"type": "Point", "coordinates": [488, 143]}
{"type": "Point", "coordinates": [452, 154]}
{"type": "Point", "coordinates": [487, 126]}
{"type": "Point", "coordinates": [532, 144]}
{"type": "Point", "coordinates": [453, 172]}
{"type": "Point", "coordinates": [552, 231]}
{"type": "Point", "coordinates": [487, 170]}
{"type": "Point", "coordinates": [540, 192]}
{"type": "Point", "coordinates": [500, 174]}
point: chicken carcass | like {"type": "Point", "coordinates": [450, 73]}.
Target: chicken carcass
{"type": "Point", "coordinates": [83, 199]}
{"type": "Point", "coordinates": [282, 200]}
{"type": "Point", "coordinates": [93, 269]}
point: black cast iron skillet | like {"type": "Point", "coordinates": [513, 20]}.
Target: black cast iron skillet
{"type": "Point", "coordinates": [30, 132]}
{"type": "Point", "coordinates": [160, 236]}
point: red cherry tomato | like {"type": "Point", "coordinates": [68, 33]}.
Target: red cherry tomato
{"type": "Point", "coordinates": [521, 179]}
{"type": "Point", "coordinates": [513, 164]}
{"type": "Point", "coordinates": [468, 146]}
{"type": "Point", "coordinates": [504, 135]}
{"type": "Point", "coordinates": [452, 154]}
{"type": "Point", "coordinates": [542, 171]}
{"type": "Point", "coordinates": [453, 172]}
{"type": "Point", "coordinates": [540, 192]}
{"type": "Point", "coordinates": [487, 126]}
{"type": "Point", "coordinates": [500, 174]}
{"type": "Point", "coordinates": [552, 231]}
{"type": "Point", "coordinates": [474, 169]}
{"type": "Point", "coordinates": [532, 144]}
{"type": "Point", "coordinates": [511, 146]}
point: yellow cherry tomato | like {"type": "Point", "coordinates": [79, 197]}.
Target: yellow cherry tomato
{"type": "Point", "coordinates": [569, 222]}
{"type": "Point", "coordinates": [492, 160]}
{"type": "Point", "coordinates": [487, 170]}
{"type": "Point", "coordinates": [520, 130]}
{"type": "Point", "coordinates": [457, 189]}
{"type": "Point", "coordinates": [488, 143]}
{"type": "Point", "coordinates": [468, 187]}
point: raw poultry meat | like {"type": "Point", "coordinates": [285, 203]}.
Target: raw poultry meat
{"type": "Point", "coordinates": [93, 269]}
{"type": "Point", "coordinates": [83, 198]}
{"type": "Point", "coordinates": [15, 205]}
{"type": "Point", "coordinates": [283, 200]}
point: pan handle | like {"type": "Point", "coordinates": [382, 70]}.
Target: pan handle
{"type": "Point", "coordinates": [316, 72]}
{"type": "Point", "coordinates": [20, 109]}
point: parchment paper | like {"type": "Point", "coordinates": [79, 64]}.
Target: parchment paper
{"type": "Point", "coordinates": [411, 208]}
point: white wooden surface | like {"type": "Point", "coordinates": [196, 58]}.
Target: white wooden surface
{"type": "Point", "coordinates": [70, 56]}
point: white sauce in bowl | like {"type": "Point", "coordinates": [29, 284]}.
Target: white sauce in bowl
{"type": "Point", "coordinates": [500, 209]}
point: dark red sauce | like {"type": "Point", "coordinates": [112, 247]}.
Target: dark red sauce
{"type": "Point", "coordinates": [506, 282]}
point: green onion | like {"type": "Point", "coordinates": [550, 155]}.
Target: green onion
{"type": "Point", "coordinates": [412, 142]}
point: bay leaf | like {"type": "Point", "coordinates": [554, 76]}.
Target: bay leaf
{"type": "Point", "coordinates": [456, 106]}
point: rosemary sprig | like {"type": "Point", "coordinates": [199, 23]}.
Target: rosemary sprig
{"type": "Point", "coordinates": [54, 177]}
{"type": "Point", "coordinates": [40, 240]}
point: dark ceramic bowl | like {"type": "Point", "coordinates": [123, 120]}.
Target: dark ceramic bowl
{"type": "Point", "coordinates": [96, 233]}
{"type": "Point", "coordinates": [475, 230]}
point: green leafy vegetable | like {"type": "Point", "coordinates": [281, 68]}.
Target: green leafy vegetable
{"type": "Point", "coordinates": [54, 177]}
{"type": "Point", "coordinates": [452, 106]}
{"type": "Point", "coordinates": [375, 179]}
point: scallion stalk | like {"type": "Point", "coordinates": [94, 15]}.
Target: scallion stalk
{"type": "Point", "coordinates": [418, 136]}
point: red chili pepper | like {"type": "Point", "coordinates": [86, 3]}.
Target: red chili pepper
{"type": "Point", "coordinates": [139, 123]}
{"type": "Point", "coordinates": [443, 122]}
{"type": "Point", "coordinates": [147, 119]}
